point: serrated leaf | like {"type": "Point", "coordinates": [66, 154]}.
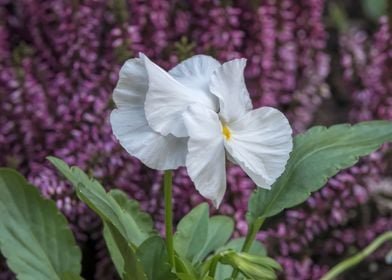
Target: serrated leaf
{"type": "Point", "coordinates": [152, 254]}
{"type": "Point", "coordinates": [94, 195]}
{"type": "Point", "coordinates": [318, 154]}
{"type": "Point", "coordinates": [220, 228]}
{"type": "Point", "coordinates": [34, 236]}
{"type": "Point", "coordinates": [132, 268]}
{"type": "Point", "coordinates": [113, 249]}
{"type": "Point", "coordinates": [130, 206]}
{"type": "Point", "coordinates": [120, 217]}
{"type": "Point", "coordinates": [191, 234]}
{"type": "Point", "coordinates": [143, 220]}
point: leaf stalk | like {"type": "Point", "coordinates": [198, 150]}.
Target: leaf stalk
{"type": "Point", "coordinates": [354, 260]}
{"type": "Point", "coordinates": [253, 229]}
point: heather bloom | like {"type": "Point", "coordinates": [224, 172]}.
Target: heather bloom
{"type": "Point", "coordinates": [216, 113]}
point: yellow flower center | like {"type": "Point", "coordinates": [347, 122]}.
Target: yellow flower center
{"type": "Point", "coordinates": [226, 132]}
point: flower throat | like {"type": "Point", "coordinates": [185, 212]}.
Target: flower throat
{"type": "Point", "coordinates": [226, 132]}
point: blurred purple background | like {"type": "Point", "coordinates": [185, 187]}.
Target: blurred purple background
{"type": "Point", "coordinates": [321, 62]}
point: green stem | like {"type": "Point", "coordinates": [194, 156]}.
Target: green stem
{"type": "Point", "coordinates": [251, 235]}
{"type": "Point", "coordinates": [213, 266]}
{"type": "Point", "coordinates": [168, 186]}
{"type": "Point", "coordinates": [253, 229]}
{"type": "Point", "coordinates": [354, 260]}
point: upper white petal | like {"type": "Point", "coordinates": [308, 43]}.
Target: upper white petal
{"type": "Point", "coordinates": [260, 143]}
{"type": "Point", "coordinates": [205, 162]}
{"type": "Point", "coordinates": [196, 72]}
{"type": "Point", "coordinates": [132, 84]}
{"type": "Point", "coordinates": [130, 125]}
{"type": "Point", "coordinates": [167, 99]}
{"type": "Point", "coordinates": [228, 84]}
{"type": "Point", "coordinates": [156, 151]}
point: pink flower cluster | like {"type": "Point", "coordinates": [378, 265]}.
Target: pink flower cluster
{"type": "Point", "coordinates": [367, 71]}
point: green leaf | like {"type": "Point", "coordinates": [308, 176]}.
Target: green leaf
{"type": "Point", "coordinates": [184, 269]}
{"type": "Point", "coordinates": [90, 191]}
{"type": "Point", "coordinates": [34, 235]}
{"type": "Point", "coordinates": [153, 256]}
{"type": "Point", "coordinates": [132, 267]}
{"type": "Point", "coordinates": [114, 251]}
{"type": "Point", "coordinates": [125, 226]}
{"type": "Point", "coordinates": [337, 16]}
{"type": "Point", "coordinates": [318, 154]}
{"type": "Point", "coordinates": [220, 228]}
{"type": "Point", "coordinates": [70, 276]}
{"type": "Point", "coordinates": [184, 276]}
{"type": "Point", "coordinates": [191, 234]}
{"type": "Point", "coordinates": [122, 254]}
{"type": "Point", "coordinates": [131, 206]}
{"type": "Point", "coordinates": [142, 219]}
{"type": "Point", "coordinates": [374, 9]}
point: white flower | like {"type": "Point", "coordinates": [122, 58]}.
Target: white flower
{"type": "Point", "coordinates": [158, 148]}
{"type": "Point", "coordinates": [258, 140]}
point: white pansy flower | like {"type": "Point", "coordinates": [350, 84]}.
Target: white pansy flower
{"type": "Point", "coordinates": [156, 148]}
{"type": "Point", "coordinates": [258, 140]}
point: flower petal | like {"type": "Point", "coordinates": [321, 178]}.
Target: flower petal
{"type": "Point", "coordinates": [156, 151]}
{"type": "Point", "coordinates": [132, 84]}
{"type": "Point", "coordinates": [167, 99]}
{"type": "Point", "coordinates": [196, 72]}
{"type": "Point", "coordinates": [260, 143]}
{"type": "Point", "coordinates": [205, 161]}
{"type": "Point", "coordinates": [228, 84]}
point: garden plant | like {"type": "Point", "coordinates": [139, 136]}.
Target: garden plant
{"type": "Point", "coordinates": [198, 115]}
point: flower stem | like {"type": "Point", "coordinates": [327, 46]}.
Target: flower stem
{"type": "Point", "coordinates": [214, 264]}
{"type": "Point", "coordinates": [253, 229]}
{"type": "Point", "coordinates": [354, 260]}
{"type": "Point", "coordinates": [168, 186]}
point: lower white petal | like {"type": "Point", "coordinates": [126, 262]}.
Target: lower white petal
{"type": "Point", "coordinates": [205, 162]}
{"type": "Point", "coordinates": [167, 99]}
{"type": "Point", "coordinates": [156, 151]}
{"type": "Point", "coordinates": [260, 143]}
